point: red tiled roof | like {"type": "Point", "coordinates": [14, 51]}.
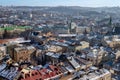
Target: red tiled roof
{"type": "Point", "coordinates": [61, 40]}
{"type": "Point", "coordinates": [42, 74]}
{"type": "Point", "coordinates": [3, 41]}
{"type": "Point", "coordinates": [33, 75]}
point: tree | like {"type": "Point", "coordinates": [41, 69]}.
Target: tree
{"type": "Point", "coordinates": [5, 34]}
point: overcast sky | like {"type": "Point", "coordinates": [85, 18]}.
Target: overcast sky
{"type": "Point", "coordinates": [83, 3]}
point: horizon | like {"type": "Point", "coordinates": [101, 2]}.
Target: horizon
{"type": "Point", "coordinates": [59, 6]}
{"type": "Point", "coordinates": [56, 3]}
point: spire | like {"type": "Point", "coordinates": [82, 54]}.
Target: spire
{"type": "Point", "coordinates": [110, 21]}
{"type": "Point", "coordinates": [85, 32]}
{"type": "Point", "coordinates": [91, 29]}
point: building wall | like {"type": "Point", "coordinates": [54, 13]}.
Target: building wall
{"type": "Point", "coordinates": [55, 49]}
{"type": "Point", "coordinates": [82, 29]}
{"type": "Point", "coordinates": [22, 54]}
{"type": "Point", "coordinates": [2, 52]}
{"type": "Point", "coordinates": [83, 46]}
{"type": "Point", "coordinates": [10, 50]}
{"type": "Point", "coordinates": [104, 76]}
{"type": "Point", "coordinates": [117, 54]}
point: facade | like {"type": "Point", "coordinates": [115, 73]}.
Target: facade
{"type": "Point", "coordinates": [2, 51]}
{"type": "Point", "coordinates": [82, 29]}
{"type": "Point", "coordinates": [20, 52]}
{"type": "Point", "coordinates": [102, 74]}
{"type": "Point", "coordinates": [10, 49]}
{"type": "Point", "coordinates": [23, 53]}
{"type": "Point", "coordinates": [97, 56]}
{"type": "Point", "coordinates": [112, 41]}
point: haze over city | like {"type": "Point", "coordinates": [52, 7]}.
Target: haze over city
{"type": "Point", "coordinates": [59, 40]}
{"type": "Point", "coordinates": [83, 3]}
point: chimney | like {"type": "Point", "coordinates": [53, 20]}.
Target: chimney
{"type": "Point", "coordinates": [23, 75]}
{"type": "Point", "coordinates": [30, 73]}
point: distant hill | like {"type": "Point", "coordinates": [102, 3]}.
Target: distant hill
{"type": "Point", "coordinates": [69, 8]}
{"type": "Point", "coordinates": [115, 11]}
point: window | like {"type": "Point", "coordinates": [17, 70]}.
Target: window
{"type": "Point", "coordinates": [36, 73]}
{"type": "Point", "coordinates": [21, 58]}
{"type": "Point", "coordinates": [32, 74]}
{"type": "Point", "coordinates": [40, 79]}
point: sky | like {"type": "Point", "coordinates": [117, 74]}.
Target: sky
{"type": "Point", "coordinates": [83, 3]}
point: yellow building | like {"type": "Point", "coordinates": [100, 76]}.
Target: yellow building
{"type": "Point", "coordinates": [53, 48]}
{"type": "Point", "coordinates": [112, 41]}
{"type": "Point", "coordinates": [83, 45]}
{"type": "Point", "coordinates": [20, 52]}
{"type": "Point", "coordinates": [23, 53]}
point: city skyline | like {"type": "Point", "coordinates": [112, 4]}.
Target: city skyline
{"type": "Point", "coordinates": [83, 3]}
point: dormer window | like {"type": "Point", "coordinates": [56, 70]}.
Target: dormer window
{"type": "Point", "coordinates": [36, 73]}
{"type": "Point", "coordinates": [32, 74]}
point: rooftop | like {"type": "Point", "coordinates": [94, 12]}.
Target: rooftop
{"type": "Point", "coordinates": [10, 28]}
